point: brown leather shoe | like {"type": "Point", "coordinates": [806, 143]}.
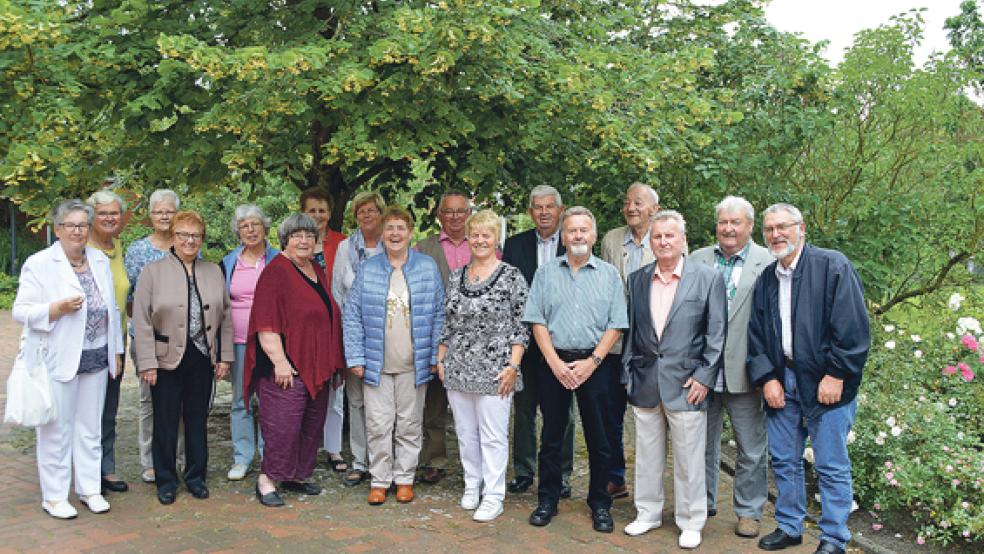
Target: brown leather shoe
{"type": "Point", "coordinates": [404, 493]}
{"type": "Point", "coordinates": [617, 491]}
{"type": "Point", "coordinates": [747, 527]}
{"type": "Point", "coordinates": [431, 475]}
{"type": "Point", "coordinates": [377, 495]}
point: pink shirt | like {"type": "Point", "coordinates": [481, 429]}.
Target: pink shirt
{"type": "Point", "coordinates": [661, 297]}
{"type": "Point", "coordinates": [241, 291]}
{"type": "Point", "coordinates": [458, 255]}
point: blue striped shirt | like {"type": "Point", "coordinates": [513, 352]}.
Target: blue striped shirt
{"type": "Point", "coordinates": [578, 308]}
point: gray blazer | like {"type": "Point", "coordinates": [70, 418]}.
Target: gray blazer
{"type": "Point", "coordinates": [736, 351]}
{"type": "Point", "coordinates": [692, 345]}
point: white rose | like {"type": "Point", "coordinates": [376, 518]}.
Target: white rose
{"type": "Point", "coordinates": [952, 402]}
{"type": "Point", "coordinates": [951, 336]}
{"type": "Point", "coordinates": [879, 440]}
{"type": "Point", "coordinates": [955, 300]}
{"type": "Point", "coordinates": [890, 421]}
{"type": "Point", "coordinates": [915, 338]}
{"type": "Point", "coordinates": [918, 353]}
{"type": "Point", "coordinates": [968, 325]}
{"type": "Point", "coordinates": [889, 328]}
{"type": "Point", "coordinates": [896, 431]}
{"type": "Point", "coordinates": [890, 345]}
{"type": "Point", "coordinates": [808, 454]}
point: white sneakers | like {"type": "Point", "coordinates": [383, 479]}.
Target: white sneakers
{"type": "Point", "coordinates": [60, 510]}
{"type": "Point", "coordinates": [489, 510]}
{"type": "Point", "coordinates": [96, 503]}
{"type": "Point", "coordinates": [689, 539]}
{"type": "Point", "coordinates": [147, 475]}
{"type": "Point", "coordinates": [639, 527]}
{"type": "Point", "coordinates": [237, 472]}
{"type": "Point", "coordinates": [470, 499]}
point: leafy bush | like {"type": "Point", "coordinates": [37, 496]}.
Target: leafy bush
{"type": "Point", "coordinates": [918, 448]}
{"type": "Point", "coordinates": [8, 290]}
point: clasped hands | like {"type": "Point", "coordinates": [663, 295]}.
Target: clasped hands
{"type": "Point", "coordinates": [573, 374]}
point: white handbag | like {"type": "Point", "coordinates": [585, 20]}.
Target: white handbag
{"type": "Point", "coordinates": [29, 398]}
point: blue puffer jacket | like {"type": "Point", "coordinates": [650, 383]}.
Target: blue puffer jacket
{"type": "Point", "coordinates": [364, 319]}
{"type": "Point", "coordinates": [228, 264]}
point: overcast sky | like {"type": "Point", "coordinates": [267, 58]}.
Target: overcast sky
{"type": "Point", "coordinates": [838, 20]}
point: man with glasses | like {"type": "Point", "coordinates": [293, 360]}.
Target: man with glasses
{"type": "Point", "coordinates": [450, 250]}
{"type": "Point", "coordinates": [808, 340]}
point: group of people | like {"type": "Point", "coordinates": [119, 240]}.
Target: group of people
{"type": "Point", "coordinates": [776, 336]}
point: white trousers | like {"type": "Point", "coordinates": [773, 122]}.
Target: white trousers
{"type": "Point", "coordinates": [74, 439]}
{"type": "Point", "coordinates": [333, 420]}
{"type": "Point", "coordinates": [688, 432]}
{"type": "Point", "coordinates": [394, 427]}
{"type": "Point", "coordinates": [481, 422]}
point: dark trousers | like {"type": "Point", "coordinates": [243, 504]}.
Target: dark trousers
{"type": "Point", "coordinates": [526, 403]}
{"type": "Point", "coordinates": [617, 401]}
{"type": "Point", "coordinates": [110, 407]}
{"type": "Point", "coordinates": [182, 394]}
{"type": "Point", "coordinates": [434, 452]}
{"type": "Point", "coordinates": [592, 402]}
{"type": "Point", "coordinates": [292, 424]}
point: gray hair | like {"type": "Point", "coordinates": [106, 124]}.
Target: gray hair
{"type": "Point", "coordinates": [540, 191]}
{"type": "Point", "coordinates": [106, 196]}
{"type": "Point", "coordinates": [65, 207]}
{"type": "Point", "coordinates": [736, 204]}
{"type": "Point", "coordinates": [453, 192]}
{"type": "Point", "coordinates": [249, 211]}
{"type": "Point", "coordinates": [784, 207]}
{"type": "Point", "coordinates": [163, 195]}
{"type": "Point", "coordinates": [579, 210]}
{"type": "Point", "coordinates": [294, 223]}
{"type": "Point", "coordinates": [642, 186]}
{"type": "Point", "coordinates": [670, 215]}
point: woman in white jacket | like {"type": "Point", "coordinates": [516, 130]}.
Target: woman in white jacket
{"type": "Point", "coordinates": [66, 295]}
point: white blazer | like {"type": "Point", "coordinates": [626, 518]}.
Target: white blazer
{"type": "Point", "coordinates": [47, 277]}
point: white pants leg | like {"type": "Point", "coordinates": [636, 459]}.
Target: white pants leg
{"type": "Point", "coordinates": [464, 406]}
{"type": "Point", "coordinates": [650, 460]}
{"type": "Point", "coordinates": [688, 432]}
{"type": "Point", "coordinates": [493, 427]}
{"type": "Point", "coordinates": [333, 421]}
{"type": "Point", "coordinates": [357, 421]}
{"type": "Point", "coordinates": [409, 435]}
{"type": "Point", "coordinates": [145, 426]}
{"type": "Point", "coordinates": [73, 439]}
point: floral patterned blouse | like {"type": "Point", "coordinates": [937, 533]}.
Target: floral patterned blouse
{"type": "Point", "coordinates": [139, 254]}
{"type": "Point", "coordinates": [482, 322]}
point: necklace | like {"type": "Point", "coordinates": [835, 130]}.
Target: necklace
{"type": "Point", "coordinates": [80, 264]}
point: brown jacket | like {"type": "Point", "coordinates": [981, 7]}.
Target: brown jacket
{"type": "Point", "coordinates": [160, 313]}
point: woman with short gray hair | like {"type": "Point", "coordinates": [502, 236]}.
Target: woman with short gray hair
{"type": "Point", "coordinates": [293, 348]}
{"type": "Point", "coordinates": [65, 297]}
{"type": "Point", "coordinates": [242, 268]}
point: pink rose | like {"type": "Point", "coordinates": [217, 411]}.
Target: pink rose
{"type": "Point", "coordinates": [920, 540]}
{"type": "Point", "coordinates": [876, 526]}
{"type": "Point", "coordinates": [889, 476]}
{"type": "Point", "coordinates": [877, 506]}
{"type": "Point", "coordinates": [966, 372]}
{"type": "Point", "coordinates": [969, 341]}
{"type": "Point", "coordinates": [949, 370]}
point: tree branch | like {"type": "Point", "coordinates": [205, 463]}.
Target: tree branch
{"type": "Point", "coordinates": [934, 285]}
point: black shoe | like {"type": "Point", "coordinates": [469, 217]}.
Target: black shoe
{"type": "Point", "coordinates": [828, 548]}
{"type": "Point", "coordinates": [711, 512]}
{"type": "Point", "coordinates": [520, 483]}
{"type": "Point", "coordinates": [199, 491]}
{"type": "Point", "coordinates": [542, 515]}
{"type": "Point", "coordinates": [355, 477]}
{"type": "Point", "coordinates": [270, 499]}
{"type": "Point", "coordinates": [302, 487]}
{"type": "Point", "coordinates": [602, 519]}
{"type": "Point", "coordinates": [777, 540]}
{"type": "Point", "coordinates": [565, 490]}
{"type": "Point", "coordinates": [165, 497]}
{"type": "Point", "coordinates": [114, 486]}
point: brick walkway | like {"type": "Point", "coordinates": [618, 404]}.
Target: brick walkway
{"type": "Point", "coordinates": [338, 519]}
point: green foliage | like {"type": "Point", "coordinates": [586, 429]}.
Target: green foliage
{"type": "Point", "coordinates": [8, 290]}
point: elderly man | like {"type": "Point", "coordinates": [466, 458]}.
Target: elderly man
{"type": "Point", "coordinates": [808, 341]}
{"type": "Point", "coordinates": [450, 250]}
{"type": "Point", "coordinates": [740, 261]}
{"type": "Point", "coordinates": [577, 309]}
{"type": "Point", "coordinates": [627, 248]}
{"type": "Point", "coordinates": [671, 357]}
{"type": "Point", "coordinates": [528, 251]}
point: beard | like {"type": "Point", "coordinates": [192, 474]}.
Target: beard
{"type": "Point", "coordinates": [580, 250]}
{"type": "Point", "coordinates": [790, 247]}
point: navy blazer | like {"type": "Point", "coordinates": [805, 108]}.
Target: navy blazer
{"type": "Point", "coordinates": [831, 334]}
{"type": "Point", "coordinates": [520, 251]}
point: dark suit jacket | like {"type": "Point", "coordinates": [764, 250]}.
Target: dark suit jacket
{"type": "Point", "coordinates": [692, 344]}
{"type": "Point", "coordinates": [831, 334]}
{"type": "Point", "coordinates": [520, 251]}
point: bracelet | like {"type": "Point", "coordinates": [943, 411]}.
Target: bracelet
{"type": "Point", "coordinates": [512, 365]}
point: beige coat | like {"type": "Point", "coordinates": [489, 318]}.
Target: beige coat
{"type": "Point", "coordinates": [160, 313]}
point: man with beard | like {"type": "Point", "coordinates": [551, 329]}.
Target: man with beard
{"type": "Point", "coordinates": [808, 340]}
{"type": "Point", "coordinates": [577, 309]}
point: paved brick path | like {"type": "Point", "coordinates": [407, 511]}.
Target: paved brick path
{"type": "Point", "coordinates": [338, 519]}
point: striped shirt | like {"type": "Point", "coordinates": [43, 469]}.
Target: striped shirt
{"type": "Point", "coordinates": [577, 308]}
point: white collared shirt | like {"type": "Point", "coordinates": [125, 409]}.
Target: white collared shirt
{"type": "Point", "coordinates": [546, 248]}
{"type": "Point", "coordinates": [785, 277]}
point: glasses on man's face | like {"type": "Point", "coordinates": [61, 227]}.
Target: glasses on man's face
{"type": "Point", "coordinates": [249, 226]}
{"type": "Point", "coordinates": [365, 212]}
{"type": "Point", "coordinates": [74, 227]}
{"type": "Point", "coordinates": [303, 235]}
{"type": "Point", "coordinates": [460, 212]}
{"type": "Point", "coordinates": [779, 228]}
{"type": "Point", "coordinates": [163, 213]}
{"type": "Point", "coordinates": [189, 237]}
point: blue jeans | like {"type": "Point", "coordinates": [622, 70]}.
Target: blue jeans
{"type": "Point", "coordinates": [828, 435]}
{"type": "Point", "coordinates": [244, 438]}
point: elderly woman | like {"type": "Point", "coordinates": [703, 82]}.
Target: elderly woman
{"type": "Point", "coordinates": [109, 211]}
{"type": "Point", "coordinates": [242, 268]}
{"type": "Point", "coordinates": [162, 206]}
{"type": "Point", "coordinates": [317, 204]}
{"type": "Point", "coordinates": [365, 242]}
{"type": "Point", "coordinates": [393, 320]}
{"type": "Point", "coordinates": [293, 349]}
{"type": "Point", "coordinates": [182, 333]}
{"type": "Point", "coordinates": [66, 295]}
{"type": "Point", "coordinates": [478, 360]}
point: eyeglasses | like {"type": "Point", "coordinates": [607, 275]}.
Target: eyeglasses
{"type": "Point", "coordinates": [303, 235]}
{"type": "Point", "coordinates": [108, 214]}
{"type": "Point", "coordinates": [460, 212]}
{"type": "Point", "coordinates": [367, 211]}
{"type": "Point", "coordinates": [163, 213]}
{"type": "Point", "coordinates": [249, 226]}
{"type": "Point", "coordinates": [189, 237]}
{"type": "Point", "coordinates": [74, 227]}
{"type": "Point", "coordinates": [780, 228]}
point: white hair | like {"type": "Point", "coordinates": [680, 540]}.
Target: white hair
{"type": "Point", "coordinates": [672, 215]}
{"type": "Point", "coordinates": [735, 204]}
{"type": "Point", "coordinates": [540, 191]}
{"type": "Point", "coordinates": [642, 186]}
{"type": "Point", "coordinates": [105, 196]}
{"type": "Point", "coordinates": [579, 210]}
{"type": "Point", "coordinates": [784, 207]}
{"type": "Point", "coordinates": [163, 195]}
{"type": "Point", "coordinates": [65, 207]}
{"type": "Point", "coordinates": [249, 211]}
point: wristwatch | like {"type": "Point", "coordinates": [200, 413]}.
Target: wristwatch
{"type": "Point", "coordinates": [596, 360]}
{"type": "Point", "coordinates": [514, 366]}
